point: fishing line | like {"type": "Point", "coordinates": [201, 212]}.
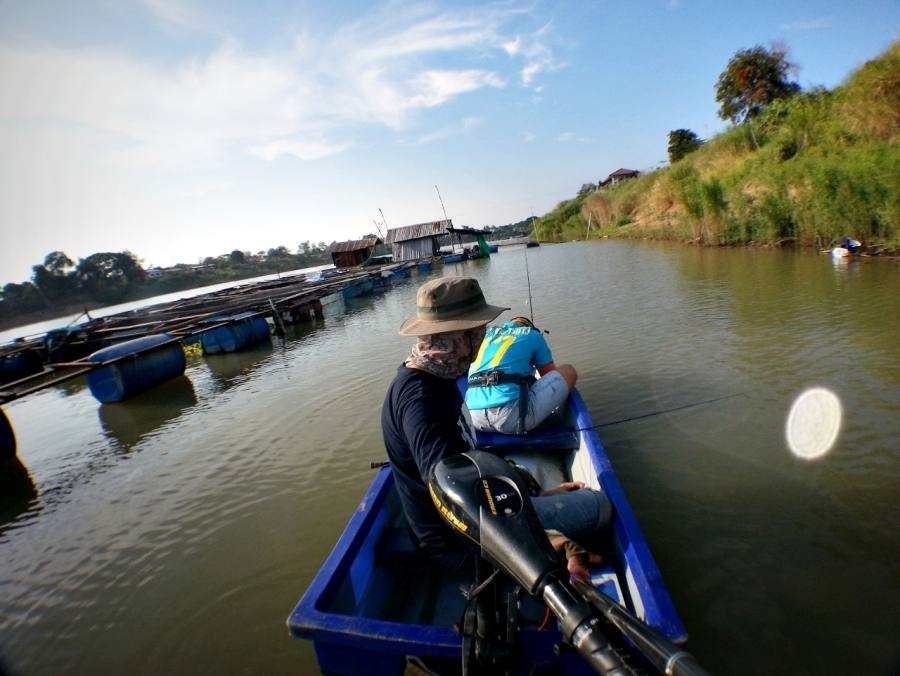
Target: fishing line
{"type": "Point", "coordinates": [528, 277]}
{"type": "Point", "coordinates": [668, 410]}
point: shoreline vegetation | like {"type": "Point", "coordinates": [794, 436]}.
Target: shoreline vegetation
{"type": "Point", "coordinates": [804, 170]}
{"type": "Point", "coordinates": [59, 287]}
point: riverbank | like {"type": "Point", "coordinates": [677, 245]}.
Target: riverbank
{"type": "Point", "coordinates": [807, 172]}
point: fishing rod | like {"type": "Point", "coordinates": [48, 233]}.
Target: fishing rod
{"type": "Point", "coordinates": [667, 410]}
{"type": "Point", "coordinates": [528, 276]}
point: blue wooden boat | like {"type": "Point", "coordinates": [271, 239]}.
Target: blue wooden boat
{"type": "Point", "coordinates": [454, 257]}
{"type": "Point", "coordinates": [374, 602]}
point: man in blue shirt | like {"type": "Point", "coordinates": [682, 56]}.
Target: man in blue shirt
{"type": "Point", "coordinates": [503, 394]}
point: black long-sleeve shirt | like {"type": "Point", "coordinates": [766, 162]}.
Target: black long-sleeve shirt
{"type": "Point", "coordinates": [422, 423]}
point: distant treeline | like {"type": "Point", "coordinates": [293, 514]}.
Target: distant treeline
{"type": "Point", "coordinates": [805, 167]}
{"type": "Point", "coordinates": [59, 285]}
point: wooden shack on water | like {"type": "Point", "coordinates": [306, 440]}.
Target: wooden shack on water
{"type": "Point", "coordinates": [413, 242]}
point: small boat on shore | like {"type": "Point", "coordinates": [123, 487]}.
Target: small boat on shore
{"type": "Point", "coordinates": [375, 604]}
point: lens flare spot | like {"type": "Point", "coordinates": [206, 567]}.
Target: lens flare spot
{"type": "Point", "coordinates": [813, 423]}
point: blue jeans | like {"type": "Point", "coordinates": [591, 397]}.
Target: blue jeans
{"type": "Point", "coordinates": [580, 515]}
{"type": "Point", "coordinates": [544, 396]}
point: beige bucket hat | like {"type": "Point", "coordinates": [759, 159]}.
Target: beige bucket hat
{"type": "Point", "coordinates": [449, 304]}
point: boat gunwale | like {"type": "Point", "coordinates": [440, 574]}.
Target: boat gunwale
{"type": "Point", "coordinates": [659, 609]}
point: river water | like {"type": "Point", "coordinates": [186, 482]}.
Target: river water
{"type": "Point", "coordinates": [173, 533]}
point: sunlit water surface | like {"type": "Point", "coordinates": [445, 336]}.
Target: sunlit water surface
{"type": "Point", "coordinates": [174, 532]}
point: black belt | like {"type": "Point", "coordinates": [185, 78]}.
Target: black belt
{"type": "Point", "coordinates": [488, 378]}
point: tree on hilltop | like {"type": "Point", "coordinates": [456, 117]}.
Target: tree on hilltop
{"type": "Point", "coordinates": [752, 80]}
{"type": "Point", "coordinates": [682, 142]}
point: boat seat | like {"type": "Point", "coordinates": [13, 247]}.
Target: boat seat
{"type": "Point", "coordinates": [539, 439]}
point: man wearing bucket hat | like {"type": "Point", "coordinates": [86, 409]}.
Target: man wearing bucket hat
{"type": "Point", "coordinates": [422, 419]}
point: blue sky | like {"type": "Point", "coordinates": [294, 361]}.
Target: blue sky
{"type": "Point", "coordinates": [179, 129]}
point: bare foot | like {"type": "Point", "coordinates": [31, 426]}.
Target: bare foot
{"type": "Point", "coordinates": [578, 559]}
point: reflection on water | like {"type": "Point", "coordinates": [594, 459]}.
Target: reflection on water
{"type": "Point", "coordinates": [129, 421]}
{"type": "Point", "coordinates": [228, 368]}
{"type": "Point", "coordinates": [251, 464]}
{"type": "Point", "coordinates": [72, 386]}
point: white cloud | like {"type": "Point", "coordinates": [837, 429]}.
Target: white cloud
{"type": "Point", "coordinates": [806, 25]}
{"type": "Point", "coordinates": [528, 137]}
{"type": "Point", "coordinates": [570, 136]}
{"type": "Point", "coordinates": [304, 150]}
{"type": "Point", "coordinates": [438, 86]}
{"type": "Point", "coordinates": [307, 101]}
{"type": "Point", "coordinates": [530, 71]}
{"type": "Point", "coordinates": [513, 47]}
{"type": "Point", "coordinates": [468, 124]}
{"type": "Point", "coordinates": [535, 51]}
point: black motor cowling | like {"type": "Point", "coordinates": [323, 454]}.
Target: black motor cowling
{"type": "Point", "coordinates": [484, 499]}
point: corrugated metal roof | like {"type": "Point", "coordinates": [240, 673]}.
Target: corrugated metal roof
{"type": "Point", "coordinates": [624, 172]}
{"type": "Point", "coordinates": [418, 231]}
{"type": "Point", "coordinates": [353, 245]}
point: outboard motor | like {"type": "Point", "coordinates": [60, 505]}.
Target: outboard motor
{"type": "Point", "coordinates": [483, 499]}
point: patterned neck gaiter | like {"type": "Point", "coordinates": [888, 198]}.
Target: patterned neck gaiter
{"type": "Point", "coordinates": [446, 355]}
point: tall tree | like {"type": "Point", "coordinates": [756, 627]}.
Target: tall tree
{"type": "Point", "coordinates": [107, 276]}
{"type": "Point", "coordinates": [682, 142]}
{"type": "Point", "coordinates": [55, 278]}
{"type": "Point", "coordinates": [753, 79]}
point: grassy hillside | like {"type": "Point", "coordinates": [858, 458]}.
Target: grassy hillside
{"type": "Point", "coordinates": [827, 165]}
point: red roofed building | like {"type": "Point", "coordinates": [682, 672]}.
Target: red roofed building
{"type": "Point", "coordinates": [352, 253]}
{"type": "Point", "coordinates": [619, 175]}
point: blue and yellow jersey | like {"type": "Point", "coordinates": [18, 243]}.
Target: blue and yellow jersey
{"type": "Point", "coordinates": [510, 348]}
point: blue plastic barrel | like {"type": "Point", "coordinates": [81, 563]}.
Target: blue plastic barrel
{"type": "Point", "coordinates": [146, 368]}
{"type": "Point", "coordinates": [20, 364]}
{"type": "Point", "coordinates": [424, 266]}
{"type": "Point", "coordinates": [243, 331]}
{"type": "Point", "coordinates": [7, 439]}
{"type": "Point", "coordinates": [358, 289]}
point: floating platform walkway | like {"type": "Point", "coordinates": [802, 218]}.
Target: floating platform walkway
{"type": "Point", "coordinates": [127, 353]}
